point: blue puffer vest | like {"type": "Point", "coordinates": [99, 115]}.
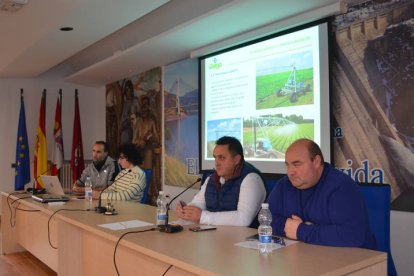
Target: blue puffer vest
{"type": "Point", "coordinates": [226, 198]}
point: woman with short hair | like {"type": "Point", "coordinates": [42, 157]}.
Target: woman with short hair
{"type": "Point", "coordinates": [129, 184]}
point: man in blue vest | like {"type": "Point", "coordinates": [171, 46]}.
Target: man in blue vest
{"type": "Point", "coordinates": [232, 195]}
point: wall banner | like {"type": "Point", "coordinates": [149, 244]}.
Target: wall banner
{"type": "Point", "coordinates": [372, 90]}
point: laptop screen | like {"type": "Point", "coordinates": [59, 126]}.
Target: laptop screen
{"type": "Point", "coordinates": [52, 184]}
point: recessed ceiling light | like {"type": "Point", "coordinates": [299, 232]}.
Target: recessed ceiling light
{"type": "Point", "coordinates": [66, 29]}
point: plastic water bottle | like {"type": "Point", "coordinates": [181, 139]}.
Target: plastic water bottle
{"type": "Point", "coordinates": [265, 230]}
{"type": "Point", "coordinates": [88, 189]}
{"type": "Point", "coordinates": [161, 209]}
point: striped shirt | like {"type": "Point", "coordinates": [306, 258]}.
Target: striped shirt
{"type": "Point", "coordinates": [127, 185]}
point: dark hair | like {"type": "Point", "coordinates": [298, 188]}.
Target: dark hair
{"type": "Point", "coordinates": [132, 153]}
{"type": "Point", "coordinates": [234, 144]}
{"type": "Point", "coordinates": [104, 144]}
{"type": "Point", "coordinates": [314, 150]}
{"type": "Point", "coordinates": [129, 85]}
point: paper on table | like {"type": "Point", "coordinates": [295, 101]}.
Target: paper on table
{"type": "Point", "coordinates": [183, 222]}
{"type": "Point", "coordinates": [125, 224]}
{"type": "Point", "coordinates": [255, 244]}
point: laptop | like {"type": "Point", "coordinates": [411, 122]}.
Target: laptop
{"type": "Point", "coordinates": [54, 190]}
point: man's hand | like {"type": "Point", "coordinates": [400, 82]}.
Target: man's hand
{"type": "Point", "coordinates": [291, 227]}
{"type": "Point", "coordinates": [179, 212]}
{"type": "Point", "coordinates": [78, 189]}
{"type": "Point", "coordinates": [190, 213]}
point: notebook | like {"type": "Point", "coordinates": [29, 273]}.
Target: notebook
{"type": "Point", "coordinates": [54, 190]}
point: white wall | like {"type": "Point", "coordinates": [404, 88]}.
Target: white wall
{"type": "Point", "coordinates": [92, 112]}
{"type": "Point", "coordinates": [402, 242]}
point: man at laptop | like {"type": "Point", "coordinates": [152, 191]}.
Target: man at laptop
{"type": "Point", "coordinates": [102, 170]}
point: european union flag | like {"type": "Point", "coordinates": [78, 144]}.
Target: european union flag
{"type": "Point", "coordinates": [22, 152]}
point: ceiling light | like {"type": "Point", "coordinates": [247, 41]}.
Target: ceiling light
{"type": "Point", "coordinates": [66, 29]}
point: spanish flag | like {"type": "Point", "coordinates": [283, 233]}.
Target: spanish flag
{"type": "Point", "coordinates": [40, 155]}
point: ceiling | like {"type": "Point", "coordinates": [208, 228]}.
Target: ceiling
{"type": "Point", "coordinates": [115, 39]}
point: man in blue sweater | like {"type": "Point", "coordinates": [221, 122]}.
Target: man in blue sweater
{"type": "Point", "coordinates": [315, 203]}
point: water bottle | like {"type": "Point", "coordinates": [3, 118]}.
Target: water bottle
{"type": "Point", "coordinates": [88, 189]}
{"type": "Point", "coordinates": [161, 209]}
{"type": "Point", "coordinates": [265, 230]}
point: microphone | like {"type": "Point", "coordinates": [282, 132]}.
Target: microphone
{"type": "Point", "coordinates": [173, 228]}
{"type": "Point", "coordinates": [99, 208]}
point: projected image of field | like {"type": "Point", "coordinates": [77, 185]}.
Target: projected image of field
{"type": "Point", "coordinates": [219, 128]}
{"type": "Point", "coordinates": [269, 137]}
{"type": "Point", "coordinates": [289, 88]}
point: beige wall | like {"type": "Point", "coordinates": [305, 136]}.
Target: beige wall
{"type": "Point", "coordinates": [92, 111]}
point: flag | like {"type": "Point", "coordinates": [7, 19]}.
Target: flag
{"type": "Point", "coordinates": [76, 162]}
{"type": "Point", "coordinates": [57, 155]}
{"type": "Point", "coordinates": [40, 155]}
{"type": "Point", "coordinates": [22, 152]}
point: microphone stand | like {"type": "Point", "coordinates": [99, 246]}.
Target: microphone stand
{"type": "Point", "coordinates": [99, 208]}
{"type": "Point", "coordinates": [174, 228]}
{"type": "Point", "coordinates": [37, 191]}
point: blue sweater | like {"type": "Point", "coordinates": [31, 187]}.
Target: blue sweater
{"type": "Point", "coordinates": [334, 206]}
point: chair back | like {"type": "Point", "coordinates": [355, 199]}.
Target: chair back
{"type": "Point", "coordinates": [270, 184]}
{"type": "Point", "coordinates": [204, 176]}
{"type": "Point", "coordinates": [377, 201]}
{"type": "Point", "coordinates": [144, 198]}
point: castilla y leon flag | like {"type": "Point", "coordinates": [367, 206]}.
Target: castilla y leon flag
{"type": "Point", "coordinates": [57, 156]}
{"type": "Point", "coordinates": [40, 155]}
{"type": "Point", "coordinates": [76, 162]}
{"type": "Point", "coordinates": [22, 151]}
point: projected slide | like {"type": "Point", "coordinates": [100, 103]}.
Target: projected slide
{"type": "Point", "coordinates": [267, 94]}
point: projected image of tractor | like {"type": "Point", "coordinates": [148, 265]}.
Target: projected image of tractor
{"type": "Point", "coordinates": [283, 86]}
{"type": "Point", "coordinates": [293, 87]}
{"type": "Point", "coordinates": [261, 147]}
